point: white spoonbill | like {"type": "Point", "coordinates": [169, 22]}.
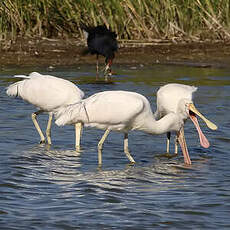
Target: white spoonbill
{"type": "Point", "coordinates": [169, 99]}
{"type": "Point", "coordinates": [119, 111]}
{"type": "Point", "coordinates": [47, 93]}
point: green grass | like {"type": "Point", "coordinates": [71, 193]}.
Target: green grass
{"type": "Point", "coordinates": [131, 19]}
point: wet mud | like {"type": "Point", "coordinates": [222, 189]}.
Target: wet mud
{"type": "Point", "coordinates": [43, 52]}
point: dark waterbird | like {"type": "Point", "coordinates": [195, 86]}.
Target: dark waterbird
{"type": "Point", "coordinates": [101, 41]}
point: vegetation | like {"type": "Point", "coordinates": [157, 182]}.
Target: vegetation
{"type": "Point", "coordinates": [131, 19]}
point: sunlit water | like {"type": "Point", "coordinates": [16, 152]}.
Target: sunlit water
{"type": "Point", "coordinates": [57, 188]}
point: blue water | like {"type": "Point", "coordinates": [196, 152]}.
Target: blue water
{"type": "Point", "coordinates": [44, 187]}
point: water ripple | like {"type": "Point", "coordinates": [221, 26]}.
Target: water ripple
{"type": "Point", "coordinates": [55, 187]}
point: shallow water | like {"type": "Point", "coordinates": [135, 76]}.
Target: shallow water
{"type": "Point", "coordinates": [57, 188]}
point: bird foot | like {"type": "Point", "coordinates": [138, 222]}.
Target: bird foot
{"type": "Point", "coordinates": [42, 142]}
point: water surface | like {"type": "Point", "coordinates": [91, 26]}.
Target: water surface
{"type": "Point", "coordinates": [57, 188]}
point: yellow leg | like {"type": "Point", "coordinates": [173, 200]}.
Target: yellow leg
{"type": "Point", "coordinates": [48, 129]}
{"type": "Point", "coordinates": [33, 116]}
{"type": "Point", "coordinates": [100, 146]}
{"type": "Point", "coordinates": [99, 157]}
{"type": "Point", "coordinates": [126, 148]}
{"type": "Point", "coordinates": [78, 132]}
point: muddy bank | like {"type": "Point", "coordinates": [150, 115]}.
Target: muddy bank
{"type": "Point", "coordinates": [60, 52]}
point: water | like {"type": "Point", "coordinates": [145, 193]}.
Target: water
{"type": "Point", "coordinates": [56, 188]}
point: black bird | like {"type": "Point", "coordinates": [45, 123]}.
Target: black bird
{"type": "Point", "coordinates": [101, 41]}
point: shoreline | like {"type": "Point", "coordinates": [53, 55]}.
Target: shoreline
{"type": "Point", "coordinates": [43, 52]}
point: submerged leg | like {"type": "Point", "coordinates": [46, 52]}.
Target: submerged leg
{"type": "Point", "coordinates": [48, 129]}
{"type": "Point", "coordinates": [126, 148]}
{"type": "Point", "coordinates": [33, 116]}
{"type": "Point", "coordinates": [78, 132]}
{"type": "Point", "coordinates": [100, 145]}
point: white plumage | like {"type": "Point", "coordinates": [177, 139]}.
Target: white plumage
{"type": "Point", "coordinates": [171, 98]}
{"type": "Point", "coordinates": [47, 93]}
{"type": "Point", "coordinates": [118, 111]}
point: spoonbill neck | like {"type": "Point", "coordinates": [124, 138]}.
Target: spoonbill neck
{"type": "Point", "coordinates": [170, 122]}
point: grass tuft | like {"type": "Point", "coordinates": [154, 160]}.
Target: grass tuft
{"type": "Point", "coordinates": [131, 19]}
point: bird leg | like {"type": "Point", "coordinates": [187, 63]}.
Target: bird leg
{"type": "Point", "coordinates": [126, 148]}
{"type": "Point", "coordinates": [176, 145]}
{"type": "Point", "coordinates": [101, 142]}
{"type": "Point", "coordinates": [168, 142]}
{"type": "Point", "coordinates": [167, 154]}
{"type": "Point", "coordinates": [108, 70]}
{"type": "Point", "coordinates": [78, 132]}
{"type": "Point", "coordinates": [33, 116]}
{"type": "Point", "coordinates": [97, 68]}
{"type": "Point", "coordinates": [100, 145]}
{"type": "Point", "coordinates": [48, 129]}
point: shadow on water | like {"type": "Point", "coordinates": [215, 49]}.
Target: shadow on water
{"type": "Point", "coordinates": [58, 188]}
